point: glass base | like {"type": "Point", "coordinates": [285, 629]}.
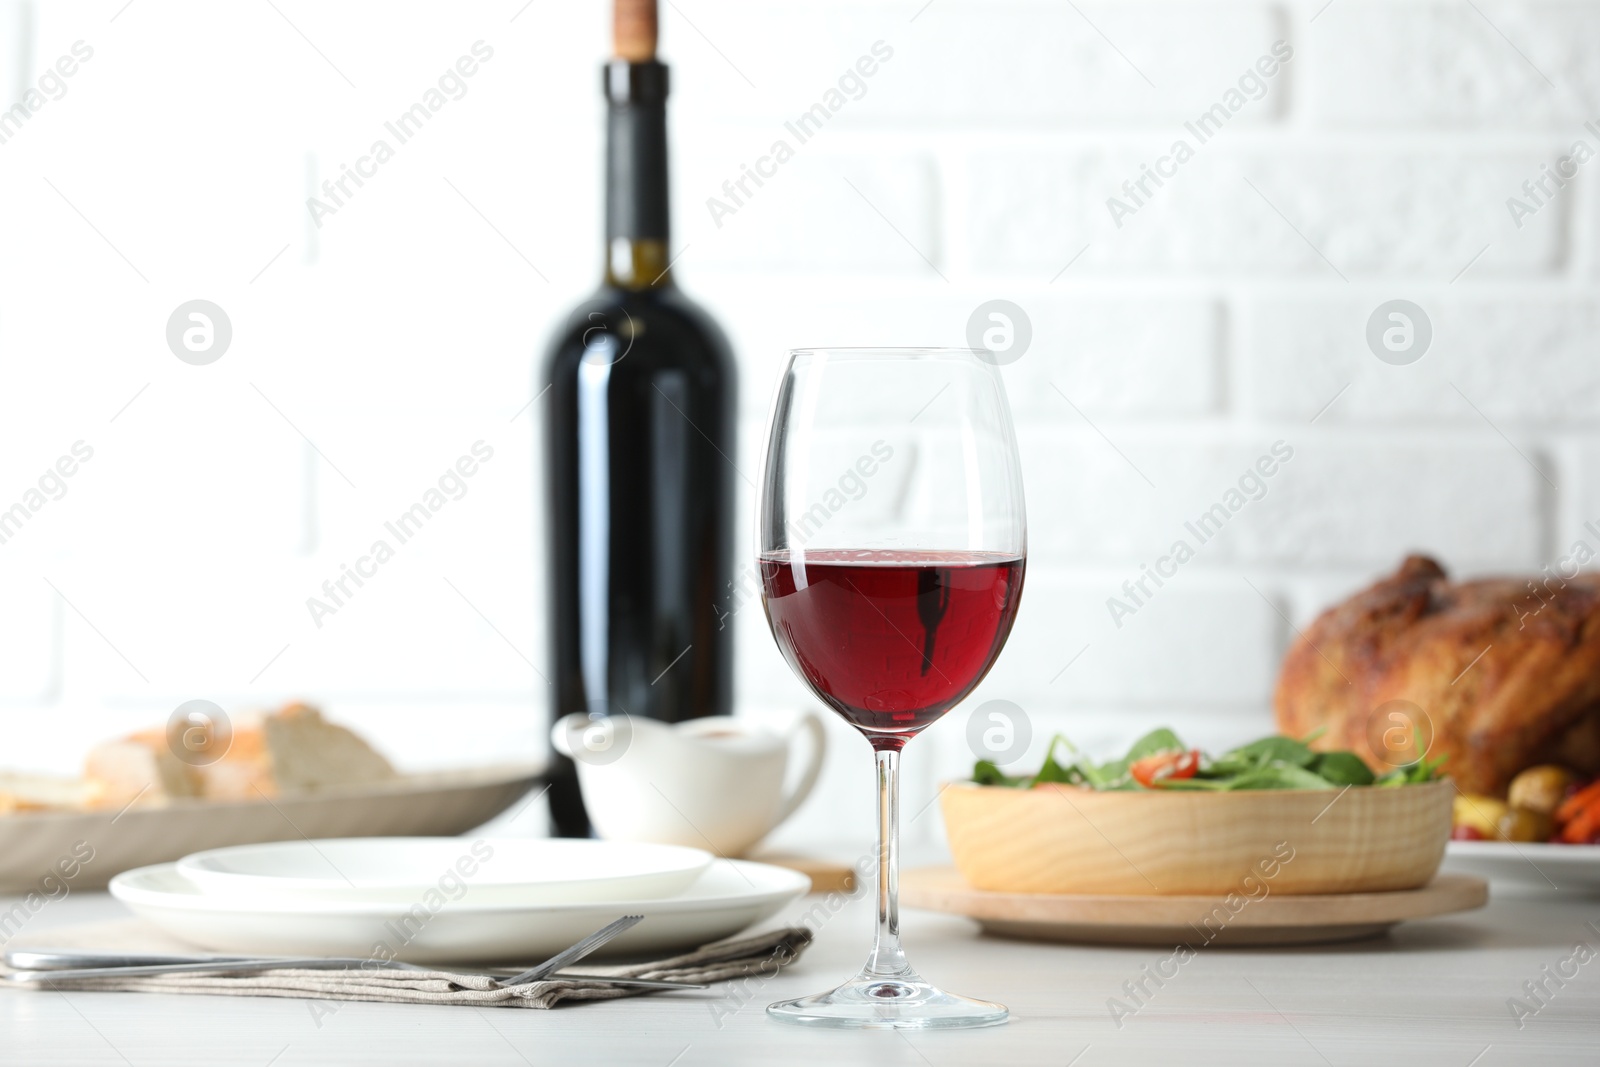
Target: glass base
{"type": "Point", "coordinates": [902, 1002]}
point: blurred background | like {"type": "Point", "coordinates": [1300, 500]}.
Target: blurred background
{"type": "Point", "coordinates": [1397, 151]}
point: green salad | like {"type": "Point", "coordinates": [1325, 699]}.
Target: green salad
{"type": "Point", "coordinates": [1160, 760]}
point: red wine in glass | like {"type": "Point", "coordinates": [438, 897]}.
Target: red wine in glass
{"type": "Point", "coordinates": [891, 637]}
{"type": "Point", "coordinates": [891, 640]}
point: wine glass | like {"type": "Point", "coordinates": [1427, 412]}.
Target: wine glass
{"type": "Point", "coordinates": [892, 547]}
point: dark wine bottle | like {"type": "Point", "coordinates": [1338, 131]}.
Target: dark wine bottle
{"type": "Point", "coordinates": [638, 454]}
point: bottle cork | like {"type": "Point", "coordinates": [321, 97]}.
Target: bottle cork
{"type": "Point", "coordinates": [634, 30]}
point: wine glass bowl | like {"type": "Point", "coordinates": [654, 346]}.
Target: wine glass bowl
{"type": "Point", "coordinates": [890, 640]}
{"type": "Point", "coordinates": [892, 552]}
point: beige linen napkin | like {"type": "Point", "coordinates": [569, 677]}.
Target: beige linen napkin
{"type": "Point", "coordinates": [755, 955]}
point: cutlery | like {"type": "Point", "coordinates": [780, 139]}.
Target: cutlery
{"type": "Point", "coordinates": [46, 965]}
{"type": "Point", "coordinates": [44, 959]}
{"type": "Point", "coordinates": [313, 963]}
{"type": "Point", "coordinates": [576, 952]}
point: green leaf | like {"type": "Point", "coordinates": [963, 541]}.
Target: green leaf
{"type": "Point", "coordinates": [1225, 767]}
{"type": "Point", "coordinates": [1159, 740]}
{"type": "Point", "coordinates": [1079, 771]}
{"type": "Point", "coordinates": [1053, 771]}
{"type": "Point", "coordinates": [1194, 785]}
{"type": "Point", "coordinates": [1426, 770]}
{"type": "Point", "coordinates": [1107, 775]}
{"type": "Point", "coordinates": [1279, 776]}
{"type": "Point", "coordinates": [1418, 773]}
{"type": "Point", "coordinates": [1269, 763]}
{"type": "Point", "coordinates": [987, 772]}
{"type": "Point", "coordinates": [1342, 768]}
{"type": "Point", "coordinates": [1271, 750]}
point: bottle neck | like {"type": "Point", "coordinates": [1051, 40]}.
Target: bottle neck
{"type": "Point", "coordinates": [637, 228]}
{"type": "Point", "coordinates": [637, 263]}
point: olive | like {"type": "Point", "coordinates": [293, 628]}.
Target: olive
{"type": "Point", "coordinates": [1541, 789]}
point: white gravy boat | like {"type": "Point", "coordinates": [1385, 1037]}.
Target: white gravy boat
{"type": "Point", "coordinates": [714, 783]}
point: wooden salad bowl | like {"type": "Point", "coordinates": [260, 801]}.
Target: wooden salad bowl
{"type": "Point", "coordinates": [1064, 839]}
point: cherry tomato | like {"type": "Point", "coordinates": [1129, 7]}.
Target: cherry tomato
{"type": "Point", "coordinates": [1466, 833]}
{"type": "Point", "coordinates": [1164, 765]}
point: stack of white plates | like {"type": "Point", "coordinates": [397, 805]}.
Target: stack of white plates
{"type": "Point", "coordinates": [452, 900]}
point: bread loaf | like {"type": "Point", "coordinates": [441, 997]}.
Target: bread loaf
{"type": "Point", "coordinates": [293, 750]}
{"type": "Point", "coordinates": [38, 792]}
{"type": "Point", "coordinates": [139, 768]}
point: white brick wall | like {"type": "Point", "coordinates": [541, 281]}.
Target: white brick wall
{"type": "Point", "coordinates": [1224, 315]}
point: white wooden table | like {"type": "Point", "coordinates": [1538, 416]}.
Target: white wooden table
{"type": "Point", "coordinates": [1433, 993]}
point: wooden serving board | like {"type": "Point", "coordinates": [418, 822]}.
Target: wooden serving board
{"type": "Point", "coordinates": [827, 876]}
{"type": "Point", "coordinates": [1275, 919]}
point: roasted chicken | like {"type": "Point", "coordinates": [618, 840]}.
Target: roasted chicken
{"type": "Point", "coordinates": [1497, 674]}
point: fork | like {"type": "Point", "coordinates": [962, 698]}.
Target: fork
{"type": "Point", "coordinates": [35, 966]}
{"type": "Point", "coordinates": [575, 953]}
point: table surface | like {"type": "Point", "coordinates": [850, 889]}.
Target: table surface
{"type": "Point", "coordinates": [1431, 992]}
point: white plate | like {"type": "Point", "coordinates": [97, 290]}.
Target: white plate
{"type": "Point", "coordinates": [33, 844]}
{"type": "Point", "coordinates": [406, 869]}
{"type": "Point", "coordinates": [729, 896]}
{"type": "Point", "coordinates": [1567, 868]}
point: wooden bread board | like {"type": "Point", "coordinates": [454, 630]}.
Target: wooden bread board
{"type": "Point", "coordinates": [827, 876]}
{"type": "Point", "coordinates": [1274, 919]}
{"type": "Point", "coordinates": [33, 844]}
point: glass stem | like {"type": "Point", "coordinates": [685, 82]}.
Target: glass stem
{"type": "Point", "coordinates": [888, 960]}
